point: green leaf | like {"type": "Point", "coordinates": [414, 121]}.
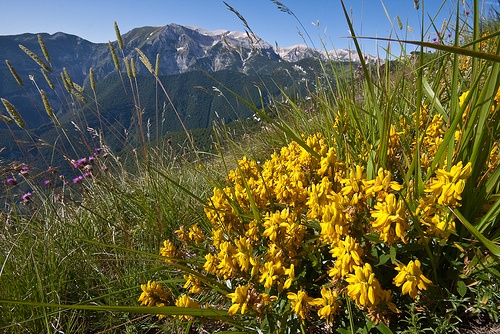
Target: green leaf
{"type": "Point", "coordinates": [392, 252]}
{"type": "Point", "coordinates": [383, 328]}
{"type": "Point", "coordinates": [461, 288]}
{"type": "Point", "coordinates": [165, 310]}
{"type": "Point", "coordinates": [383, 259]}
{"type": "Point", "coordinates": [492, 247]}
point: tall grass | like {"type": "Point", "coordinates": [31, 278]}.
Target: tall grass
{"type": "Point", "coordinates": [371, 206]}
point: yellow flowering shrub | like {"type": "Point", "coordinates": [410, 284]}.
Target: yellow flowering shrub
{"type": "Point", "coordinates": [298, 232]}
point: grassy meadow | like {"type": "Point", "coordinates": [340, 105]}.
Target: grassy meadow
{"type": "Point", "coordinates": [370, 207]}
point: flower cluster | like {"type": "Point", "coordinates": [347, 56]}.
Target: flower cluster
{"type": "Point", "coordinates": [85, 166]}
{"type": "Point", "coordinates": [301, 228]}
{"type": "Point", "coordinates": [153, 294]}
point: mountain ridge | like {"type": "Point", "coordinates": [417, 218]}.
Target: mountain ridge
{"type": "Point", "coordinates": [195, 41]}
{"type": "Point", "coordinates": [181, 50]}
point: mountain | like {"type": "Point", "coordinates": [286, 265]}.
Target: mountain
{"type": "Point", "coordinates": [181, 49]}
{"type": "Point", "coordinates": [186, 54]}
{"type": "Point", "coordinates": [298, 52]}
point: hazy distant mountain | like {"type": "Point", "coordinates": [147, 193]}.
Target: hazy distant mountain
{"type": "Point", "coordinates": [298, 52]}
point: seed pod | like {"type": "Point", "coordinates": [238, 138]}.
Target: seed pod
{"type": "Point", "coordinates": [92, 81]}
{"type": "Point", "coordinates": [68, 77]}
{"type": "Point", "coordinates": [118, 36]}
{"type": "Point", "coordinates": [400, 24]}
{"type": "Point", "coordinates": [145, 60]}
{"type": "Point", "coordinates": [78, 87]}
{"type": "Point", "coordinates": [127, 67]}
{"type": "Point", "coordinates": [51, 85]}
{"type": "Point", "coordinates": [67, 85]}
{"type": "Point", "coordinates": [46, 104]}
{"type": "Point", "coordinates": [79, 96]}
{"type": "Point", "coordinates": [113, 55]}
{"type": "Point", "coordinates": [133, 68]}
{"type": "Point", "coordinates": [35, 58]}
{"type": "Point", "coordinates": [13, 113]}
{"type": "Point", "coordinates": [6, 119]}
{"type": "Point", "coordinates": [157, 65]}
{"type": "Point", "coordinates": [44, 49]}
{"type": "Point", "coordinates": [14, 73]}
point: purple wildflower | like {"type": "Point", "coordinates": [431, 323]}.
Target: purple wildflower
{"type": "Point", "coordinates": [27, 196]}
{"type": "Point", "coordinates": [97, 149]}
{"type": "Point", "coordinates": [47, 182]}
{"type": "Point", "coordinates": [169, 141]}
{"type": "Point", "coordinates": [78, 179]}
{"type": "Point", "coordinates": [24, 171]}
{"type": "Point", "coordinates": [11, 181]}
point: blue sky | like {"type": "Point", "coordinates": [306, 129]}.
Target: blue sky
{"type": "Point", "coordinates": [93, 19]}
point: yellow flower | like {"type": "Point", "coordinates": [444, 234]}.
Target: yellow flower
{"type": "Point", "coordinates": [153, 294]}
{"type": "Point", "coordinates": [411, 278]}
{"type": "Point", "coordinates": [382, 184]}
{"type": "Point", "coordinates": [390, 220]}
{"type": "Point", "coordinates": [348, 254]}
{"type": "Point", "coordinates": [333, 219]}
{"type": "Point", "coordinates": [440, 224]}
{"type": "Point", "coordinates": [328, 304]}
{"type": "Point", "coordinates": [252, 231]}
{"type": "Point", "coordinates": [270, 272]}
{"type": "Point", "coordinates": [239, 298]}
{"type": "Point", "coordinates": [448, 186]}
{"type": "Point", "coordinates": [186, 301]}
{"type": "Point", "coordinates": [211, 262]}
{"type": "Point", "coordinates": [327, 164]}
{"type": "Point", "coordinates": [227, 265]}
{"type": "Point", "coordinates": [434, 129]}
{"type": "Point", "coordinates": [196, 234]}
{"type": "Point", "coordinates": [244, 253]}
{"type": "Point", "coordinates": [290, 272]}
{"type": "Point", "coordinates": [192, 283]}
{"type": "Point", "coordinates": [462, 98]}
{"type": "Point", "coordinates": [218, 237]}
{"type": "Point", "coordinates": [317, 196]}
{"type": "Point", "coordinates": [168, 250]}
{"type": "Point", "coordinates": [272, 223]}
{"type": "Point", "coordinates": [300, 303]}
{"type": "Point", "coordinates": [394, 141]}
{"type": "Point", "coordinates": [182, 234]}
{"type": "Point", "coordinates": [363, 287]}
{"type": "Point", "coordinates": [494, 158]}
{"type": "Point", "coordinates": [353, 186]}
